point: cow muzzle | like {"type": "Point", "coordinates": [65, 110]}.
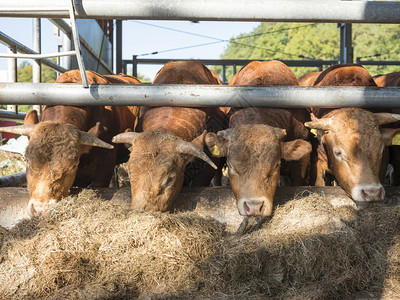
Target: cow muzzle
{"type": "Point", "coordinates": [257, 207]}
{"type": "Point", "coordinates": [36, 208]}
{"type": "Point", "coordinates": [368, 193]}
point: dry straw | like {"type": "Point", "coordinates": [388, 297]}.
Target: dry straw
{"type": "Point", "coordinates": [87, 248]}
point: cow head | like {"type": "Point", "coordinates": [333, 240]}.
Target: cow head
{"type": "Point", "coordinates": [254, 154]}
{"type": "Point", "coordinates": [354, 143]}
{"type": "Point", "coordinates": [52, 157]}
{"type": "Point", "coordinates": [156, 166]}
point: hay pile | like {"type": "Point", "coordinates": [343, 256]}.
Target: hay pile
{"type": "Point", "coordinates": [86, 248]}
{"type": "Point", "coordinates": [11, 163]}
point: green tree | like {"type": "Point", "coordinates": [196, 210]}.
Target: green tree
{"type": "Point", "coordinates": [25, 72]}
{"type": "Point", "coordinates": [294, 41]}
{"type": "Point", "coordinates": [377, 42]}
{"type": "Point", "coordinates": [143, 79]}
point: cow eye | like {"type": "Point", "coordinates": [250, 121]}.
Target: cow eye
{"type": "Point", "coordinates": [168, 181]}
{"type": "Point", "coordinates": [231, 169]}
{"type": "Point", "coordinates": [338, 154]}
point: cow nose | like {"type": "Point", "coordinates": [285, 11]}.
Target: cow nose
{"type": "Point", "coordinates": [253, 207]}
{"type": "Point", "coordinates": [35, 208]}
{"type": "Point", "coordinates": [257, 207]}
{"type": "Point", "coordinates": [373, 194]}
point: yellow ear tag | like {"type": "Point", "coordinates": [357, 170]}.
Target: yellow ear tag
{"type": "Point", "coordinates": [215, 150]}
{"type": "Point", "coordinates": [314, 131]}
{"type": "Point", "coordinates": [396, 140]}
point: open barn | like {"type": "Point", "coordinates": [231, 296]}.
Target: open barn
{"type": "Point", "coordinates": [316, 242]}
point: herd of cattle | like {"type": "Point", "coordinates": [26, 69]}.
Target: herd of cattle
{"type": "Point", "coordinates": [81, 146]}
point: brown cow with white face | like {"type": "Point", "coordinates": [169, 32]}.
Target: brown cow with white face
{"type": "Point", "coordinates": [352, 141]}
{"type": "Point", "coordinates": [60, 153]}
{"type": "Point", "coordinates": [167, 139]}
{"type": "Point", "coordinates": [254, 145]}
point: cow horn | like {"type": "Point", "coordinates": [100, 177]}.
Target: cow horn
{"type": "Point", "coordinates": [21, 129]}
{"type": "Point", "coordinates": [227, 133]}
{"type": "Point", "coordinates": [386, 118]}
{"type": "Point", "coordinates": [189, 148]}
{"type": "Point", "coordinates": [280, 133]}
{"type": "Point", "coordinates": [125, 138]}
{"type": "Point", "coordinates": [90, 140]}
{"type": "Point", "coordinates": [321, 124]}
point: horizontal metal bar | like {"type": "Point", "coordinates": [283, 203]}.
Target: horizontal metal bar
{"type": "Point", "coordinates": [223, 10]}
{"type": "Point", "coordinates": [199, 95]}
{"type": "Point", "coordinates": [15, 180]}
{"type": "Point", "coordinates": [39, 56]}
{"type": "Point", "coordinates": [11, 115]}
{"type": "Point", "coordinates": [230, 62]}
{"type": "Point", "coordinates": [379, 62]}
{"type": "Point", "coordinates": [8, 41]}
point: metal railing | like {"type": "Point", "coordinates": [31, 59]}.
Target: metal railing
{"type": "Point", "coordinates": [224, 63]}
{"type": "Point", "coordinates": [224, 10]}
{"type": "Point", "coordinates": [322, 11]}
{"type": "Point", "coordinates": [200, 95]}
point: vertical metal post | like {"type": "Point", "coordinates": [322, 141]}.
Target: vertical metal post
{"type": "Point", "coordinates": [12, 74]}
{"type": "Point", "coordinates": [346, 48]}
{"type": "Point", "coordinates": [66, 61]}
{"type": "Point", "coordinates": [124, 67]}
{"type": "Point", "coordinates": [37, 64]}
{"type": "Point", "coordinates": [234, 69]}
{"type": "Point", "coordinates": [224, 73]}
{"type": "Point", "coordinates": [119, 46]}
{"type": "Point", "coordinates": [134, 65]}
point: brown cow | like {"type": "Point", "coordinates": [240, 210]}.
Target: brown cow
{"type": "Point", "coordinates": [391, 79]}
{"type": "Point", "coordinates": [308, 79]}
{"type": "Point", "coordinates": [254, 144]}
{"type": "Point", "coordinates": [387, 80]}
{"type": "Point", "coordinates": [168, 138]}
{"type": "Point", "coordinates": [352, 141]}
{"type": "Point", "coordinates": [56, 156]}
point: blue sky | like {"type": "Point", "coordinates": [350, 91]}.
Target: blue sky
{"type": "Point", "coordinates": [140, 37]}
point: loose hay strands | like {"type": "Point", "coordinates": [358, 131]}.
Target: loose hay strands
{"type": "Point", "coordinates": [87, 248]}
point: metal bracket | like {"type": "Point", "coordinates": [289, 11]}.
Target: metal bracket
{"type": "Point", "coordinates": [34, 55]}
{"type": "Point", "coordinates": [77, 45]}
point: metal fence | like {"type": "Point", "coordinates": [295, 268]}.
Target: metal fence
{"type": "Point", "coordinates": [224, 10]}
{"type": "Point", "coordinates": [224, 63]}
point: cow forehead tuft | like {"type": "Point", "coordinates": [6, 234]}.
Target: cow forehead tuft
{"type": "Point", "coordinates": [354, 121]}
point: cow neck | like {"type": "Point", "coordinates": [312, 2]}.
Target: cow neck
{"type": "Point", "coordinates": [185, 123]}
{"type": "Point", "coordinates": [274, 117]}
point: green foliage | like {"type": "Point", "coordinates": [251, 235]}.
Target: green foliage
{"type": "Point", "coordinates": [296, 41]}
{"type": "Point", "coordinates": [143, 79]}
{"type": "Point", "coordinates": [25, 72]}
{"type": "Point", "coordinates": [370, 40]}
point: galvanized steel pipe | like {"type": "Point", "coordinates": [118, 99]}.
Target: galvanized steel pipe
{"type": "Point", "coordinates": [5, 39]}
{"type": "Point", "coordinates": [199, 95]}
{"type": "Point", "coordinates": [207, 10]}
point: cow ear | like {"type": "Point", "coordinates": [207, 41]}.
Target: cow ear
{"type": "Point", "coordinates": [217, 144]}
{"type": "Point", "coordinates": [199, 141]}
{"type": "Point", "coordinates": [390, 136]}
{"type": "Point", "coordinates": [31, 117]}
{"type": "Point", "coordinates": [295, 150]}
